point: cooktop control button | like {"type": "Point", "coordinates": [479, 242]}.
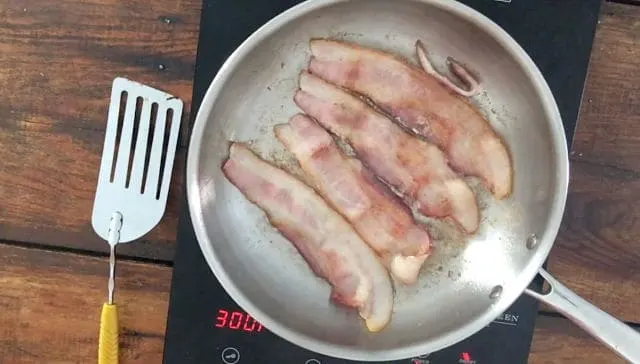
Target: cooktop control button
{"type": "Point", "coordinates": [230, 356]}
{"type": "Point", "coordinates": [420, 361]}
{"type": "Point", "coordinates": [312, 361]}
{"type": "Point", "coordinates": [465, 358]}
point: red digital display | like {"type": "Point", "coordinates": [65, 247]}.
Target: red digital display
{"type": "Point", "coordinates": [466, 356]}
{"type": "Point", "coordinates": [237, 320]}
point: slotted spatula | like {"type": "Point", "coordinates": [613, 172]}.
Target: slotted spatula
{"type": "Point", "coordinates": [133, 184]}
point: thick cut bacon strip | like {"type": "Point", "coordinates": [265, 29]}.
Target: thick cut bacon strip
{"type": "Point", "coordinates": [416, 169]}
{"type": "Point", "coordinates": [378, 216]}
{"type": "Point", "coordinates": [331, 246]}
{"type": "Point", "coordinates": [421, 103]}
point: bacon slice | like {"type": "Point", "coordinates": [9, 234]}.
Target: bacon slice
{"type": "Point", "coordinates": [419, 102]}
{"type": "Point", "coordinates": [379, 217]}
{"type": "Point", "coordinates": [332, 248]}
{"type": "Point", "coordinates": [416, 169]}
{"type": "Point", "coordinates": [455, 67]}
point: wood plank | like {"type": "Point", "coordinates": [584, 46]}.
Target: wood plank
{"type": "Point", "coordinates": [50, 304]}
{"type": "Point", "coordinates": [57, 61]}
{"type": "Point", "coordinates": [50, 307]}
{"type": "Point", "coordinates": [598, 248]}
{"type": "Point", "coordinates": [47, 192]}
{"type": "Point", "coordinates": [559, 341]}
{"type": "Point", "coordinates": [59, 57]}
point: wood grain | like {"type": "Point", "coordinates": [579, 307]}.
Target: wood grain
{"type": "Point", "coordinates": [51, 203]}
{"type": "Point", "coordinates": [57, 61]}
{"type": "Point", "coordinates": [58, 57]}
{"type": "Point", "coordinates": [50, 307]}
{"type": "Point", "coordinates": [50, 304]}
{"type": "Point", "coordinates": [559, 341]}
{"type": "Point", "coordinates": [598, 248]}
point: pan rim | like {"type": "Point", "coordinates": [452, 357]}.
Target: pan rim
{"type": "Point", "coordinates": [546, 238]}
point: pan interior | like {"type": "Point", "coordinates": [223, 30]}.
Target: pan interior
{"type": "Point", "coordinates": [263, 272]}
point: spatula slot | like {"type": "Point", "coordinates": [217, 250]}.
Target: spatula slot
{"type": "Point", "coordinates": [121, 111]}
{"type": "Point", "coordinates": [134, 138]}
{"type": "Point", "coordinates": [165, 146]}
{"type": "Point", "coordinates": [152, 126]}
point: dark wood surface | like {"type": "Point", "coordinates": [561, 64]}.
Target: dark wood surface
{"type": "Point", "coordinates": [558, 341]}
{"type": "Point", "coordinates": [598, 248]}
{"type": "Point", "coordinates": [50, 304]}
{"type": "Point", "coordinates": [57, 60]}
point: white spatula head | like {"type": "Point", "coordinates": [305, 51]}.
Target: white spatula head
{"type": "Point", "coordinates": [137, 159]}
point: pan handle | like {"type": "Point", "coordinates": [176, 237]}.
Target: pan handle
{"type": "Point", "coordinates": [610, 331]}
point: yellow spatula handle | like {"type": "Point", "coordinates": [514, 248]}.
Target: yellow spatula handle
{"type": "Point", "coordinates": [108, 344]}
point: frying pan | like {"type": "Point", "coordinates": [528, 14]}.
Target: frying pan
{"type": "Point", "coordinates": [469, 281]}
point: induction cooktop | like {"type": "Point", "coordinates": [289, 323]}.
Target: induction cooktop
{"type": "Point", "coordinates": [206, 326]}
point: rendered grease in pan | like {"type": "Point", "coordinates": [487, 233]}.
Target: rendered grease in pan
{"type": "Point", "coordinates": [449, 263]}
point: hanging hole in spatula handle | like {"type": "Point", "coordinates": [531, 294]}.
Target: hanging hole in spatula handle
{"type": "Point", "coordinates": [612, 332]}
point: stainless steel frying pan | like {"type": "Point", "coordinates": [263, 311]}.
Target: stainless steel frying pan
{"type": "Point", "coordinates": [469, 281]}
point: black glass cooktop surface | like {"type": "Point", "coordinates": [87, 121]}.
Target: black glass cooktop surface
{"type": "Point", "coordinates": [206, 326]}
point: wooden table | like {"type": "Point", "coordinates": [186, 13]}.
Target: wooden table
{"type": "Point", "coordinates": [57, 60]}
